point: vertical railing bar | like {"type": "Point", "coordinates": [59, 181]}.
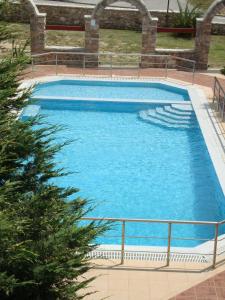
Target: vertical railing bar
{"type": "Point", "coordinates": [193, 72]}
{"type": "Point", "coordinates": [220, 101]}
{"type": "Point", "coordinates": [32, 64]}
{"type": "Point", "coordinates": [214, 90]}
{"type": "Point", "coordinates": [169, 243]}
{"type": "Point", "coordinates": [139, 63]}
{"type": "Point", "coordinates": [167, 59]}
{"type": "Point", "coordinates": [56, 64]}
{"type": "Point", "coordinates": [223, 110]}
{"type": "Point", "coordinates": [123, 242]}
{"type": "Point", "coordinates": [215, 245]}
{"type": "Point", "coordinates": [111, 65]}
{"type": "Point", "coordinates": [83, 65]}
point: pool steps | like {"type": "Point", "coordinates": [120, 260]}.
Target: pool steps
{"type": "Point", "coordinates": [177, 112]}
{"type": "Point", "coordinates": [164, 113]}
{"type": "Point", "coordinates": [30, 111]}
{"type": "Point", "coordinates": [182, 107]}
{"type": "Point", "coordinates": [174, 116]}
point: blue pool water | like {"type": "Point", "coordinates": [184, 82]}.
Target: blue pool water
{"type": "Point", "coordinates": [133, 169]}
{"type": "Point", "coordinates": [107, 89]}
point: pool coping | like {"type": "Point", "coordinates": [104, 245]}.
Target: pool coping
{"type": "Point", "coordinates": [213, 142]}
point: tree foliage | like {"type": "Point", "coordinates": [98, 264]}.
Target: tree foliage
{"type": "Point", "coordinates": [44, 246]}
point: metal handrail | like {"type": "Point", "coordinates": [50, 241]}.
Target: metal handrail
{"type": "Point", "coordinates": [100, 60]}
{"type": "Point", "coordinates": [219, 97]}
{"type": "Point", "coordinates": [153, 221]}
{"type": "Point", "coordinates": [169, 237]}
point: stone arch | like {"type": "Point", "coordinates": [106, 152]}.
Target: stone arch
{"type": "Point", "coordinates": [37, 26]}
{"type": "Point", "coordinates": [149, 26]}
{"type": "Point", "coordinates": [139, 4]}
{"type": "Point", "coordinates": [203, 33]}
{"type": "Point", "coordinates": [215, 7]}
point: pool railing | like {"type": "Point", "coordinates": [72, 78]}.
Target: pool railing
{"type": "Point", "coordinates": [210, 250]}
{"type": "Point", "coordinates": [219, 97]}
{"type": "Point", "coordinates": [110, 64]}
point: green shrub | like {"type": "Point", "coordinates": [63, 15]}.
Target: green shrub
{"type": "Point", "coordinates": [43, 245]}
{"type": "Point", "coordinates": [186, 18]}
{"type": "Point", "coordinates": [222, 71]}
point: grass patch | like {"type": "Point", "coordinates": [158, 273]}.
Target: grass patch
{"type": "Point", "coordinates": [204, 4]}
{"type": "Point", "coordinates": [127, 41]}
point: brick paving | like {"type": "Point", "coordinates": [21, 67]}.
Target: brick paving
{"type": "Point", "coordinates": [202, 79]}
{"type": "Point", "coordinates": [210, 289]}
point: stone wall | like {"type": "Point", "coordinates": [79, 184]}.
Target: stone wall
{"type": "Point", "coordinates": [218, 28]}
{"type": "Point", "coordinates": [118, 18]}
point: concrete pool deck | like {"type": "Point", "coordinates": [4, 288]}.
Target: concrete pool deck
{"type": "Point", "coordinates": [148, 279]}
{"type": "Point", "coordinates": [202, 79]}
{"type": "Point", "coordinates": [153, 281]}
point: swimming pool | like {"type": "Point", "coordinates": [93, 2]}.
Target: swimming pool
{"type": "Point", "coordinates": [111, 89]}
{"type": "Point", "coordinates": [137, 160]}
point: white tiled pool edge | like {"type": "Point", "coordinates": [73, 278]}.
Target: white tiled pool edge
{"type": "Point", "coordinates": [216, 151]}
{"type": "Point", "coordinates": [217, 154]}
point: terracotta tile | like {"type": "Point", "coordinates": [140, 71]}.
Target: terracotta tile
{"type": "Point", "coordinates": [185, 298]}
{"type": "Point", "coordinates": [219, 282]}
{"type": "Point", "coordinates": [207, 298]}
{"type": "Point", "coordinates": [220, 276]}
{"type": "Point", "coordinates": [205, 291]}
{"type": "Point", "coordinates": [188, 293]}
{"type": "Point", "coordinates": [220, 292]}
{"type": "Point", "coordinates": [208, 282]}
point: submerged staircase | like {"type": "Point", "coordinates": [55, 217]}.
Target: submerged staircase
{"type": "Point", "coordinates": [173, 116]}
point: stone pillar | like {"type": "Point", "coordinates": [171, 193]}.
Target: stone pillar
{"type": "Point", "coordinates": [149, 35]}
{"type": "Point", "coordinates": [91, 41]}
{"type": "Point", "coordinates": [37, 32]}
{"type": "Point", "coordinates": [202, 43]}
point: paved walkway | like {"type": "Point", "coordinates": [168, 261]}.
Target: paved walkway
{"type": "Point", "coordinates": [203, 79]}
{"type": "Point", "coordinates": [212, 289]}
{"type": "Point", "coordinates": [151, 281]}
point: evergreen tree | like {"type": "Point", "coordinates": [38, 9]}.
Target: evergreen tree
{"type": "Point", "coordinates": [44, 246]}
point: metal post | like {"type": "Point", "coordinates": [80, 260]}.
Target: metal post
{"type": "Point", "coordinates": [214, 90]}
{"type": "Point", "coordinates": [122, 242]}
{"type": "Point", "coordinates": [215, 245]}
{"type": "Point", "coordinates": [56, 64]}
{"type": "Point", "coordinates": [84, 65]}
{"type": "Point", "coordinates": [167, 60]}
{"type": "Point", "coordinates": [111, 65]}
{"type": "Point", "coordinates": [32, 64]}
{"type": "Point", "coordinates": [169, 243]}
{"type": "Point", "coordinates": [218, 101]}
{"type": "Point", "coordinates": [139, 66]}
{"type": "Point", "coordinates": [193, 73]}
{"type": "Point", "coordinates": [223, 109]}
